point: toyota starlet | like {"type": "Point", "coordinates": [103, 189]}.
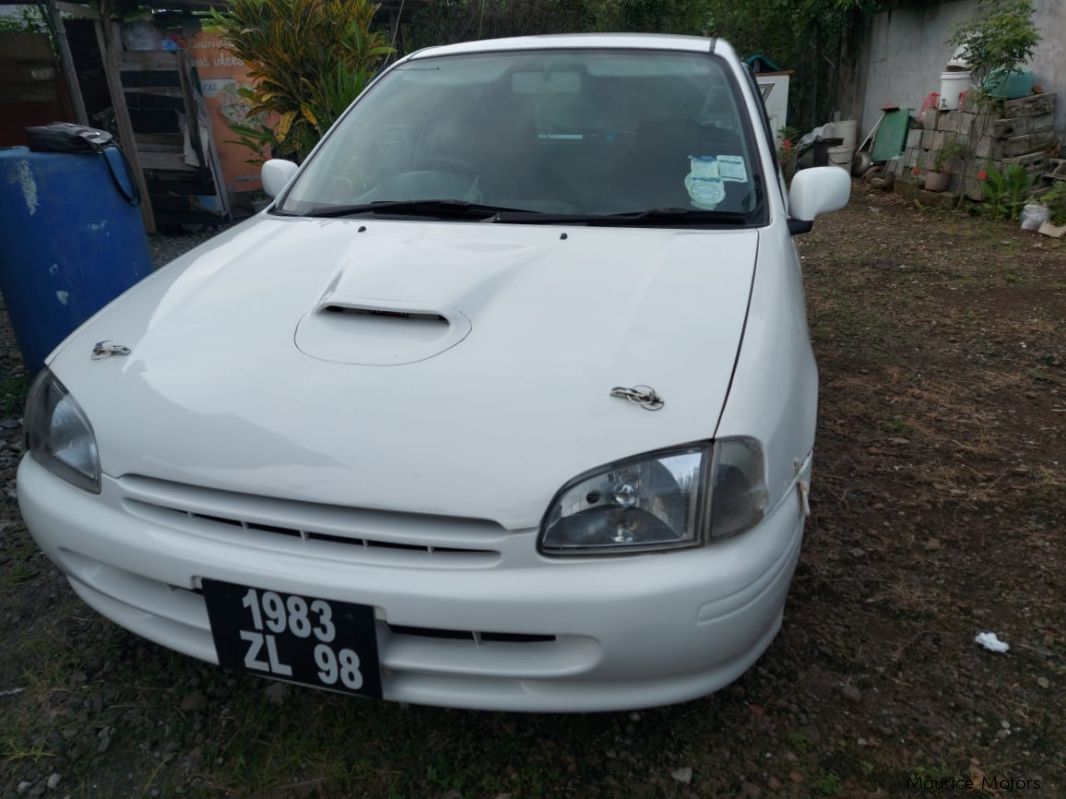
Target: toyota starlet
{"type": "Point", "coordinates": [507, 401]}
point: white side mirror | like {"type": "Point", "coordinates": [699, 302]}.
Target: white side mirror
{"type": "Point", "coordinates": [819, 190]}
{"type": "Point", "coordinates": [276, 174]}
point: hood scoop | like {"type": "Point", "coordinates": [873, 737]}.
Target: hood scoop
{"type": "Point", "coordinates": [375, 332]}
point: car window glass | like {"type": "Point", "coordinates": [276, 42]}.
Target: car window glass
{"type": "Point", "coordinates": [589, 132]}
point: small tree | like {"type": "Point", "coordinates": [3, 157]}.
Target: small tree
{"type": "Point", "coordinates": [999, 40]}
{"type": "Point", "coordinates": [309, 59]}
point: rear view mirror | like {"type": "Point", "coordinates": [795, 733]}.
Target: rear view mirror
{"type": "Point", "coordinates": [816, 191]}
{"type": "Point", "coordinates": [275, 175]}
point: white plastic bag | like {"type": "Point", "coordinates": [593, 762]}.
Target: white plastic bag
{"type": "Point", "coordinates": [1034, 215]}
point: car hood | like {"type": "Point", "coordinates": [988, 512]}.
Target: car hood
{"type": "Point", "coordinates": [450, 368]}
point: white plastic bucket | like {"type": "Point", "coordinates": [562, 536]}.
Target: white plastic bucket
{"type": "Point", "coordinates": [952, 84]}
{"type": "Point", "coordinates": [848, 130]}
{"type": "Point", "coordinates": [841, 156]}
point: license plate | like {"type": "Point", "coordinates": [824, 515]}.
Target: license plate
{"type": "Point", "coordinates": [300, 639]}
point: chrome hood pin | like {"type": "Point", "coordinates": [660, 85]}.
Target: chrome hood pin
{"type": "Point", "coordinates": [645, 396]}
{"type": "Point", "coordinates": [105, 349]}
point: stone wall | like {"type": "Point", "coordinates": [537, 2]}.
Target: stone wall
{"type": "Point", "coordinates": [995, 134]}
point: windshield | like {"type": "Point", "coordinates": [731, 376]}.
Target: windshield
{"type": "Point", "coordinates": [592, 133]}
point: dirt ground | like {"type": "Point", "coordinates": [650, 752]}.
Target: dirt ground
{"type": "Point", "coordinates": [939, 511]}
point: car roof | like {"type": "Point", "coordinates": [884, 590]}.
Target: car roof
{"type": "Point", "coordinates": [572, 41]}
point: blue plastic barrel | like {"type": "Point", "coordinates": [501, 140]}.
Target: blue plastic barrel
{"type": "Point", "coordinates": [71, 240]}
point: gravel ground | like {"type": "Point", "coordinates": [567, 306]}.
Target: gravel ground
{"type": "Point", "coordinates": [939, 506]}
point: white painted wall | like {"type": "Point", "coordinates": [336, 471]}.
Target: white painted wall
{"type": "Point", "coordinates": [908, 51]}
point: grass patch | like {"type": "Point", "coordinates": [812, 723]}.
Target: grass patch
{"type": "Point", "coordinates": [13, 394]}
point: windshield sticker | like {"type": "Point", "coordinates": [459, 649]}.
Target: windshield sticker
{"type": "Point", "coordinates": [704, 182]}
{"type": "Point", "coordinates": [731, 167]}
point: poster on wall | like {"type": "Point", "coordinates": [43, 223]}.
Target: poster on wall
{"type": "Point", "coordinates": [222, 75]}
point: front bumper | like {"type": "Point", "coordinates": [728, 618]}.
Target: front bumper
{"type": "Point", "coordinates": [624, 632]}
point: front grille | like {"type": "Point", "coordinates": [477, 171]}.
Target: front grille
{"type": "Point", "coordinates": [328, 530]}
{"type": "Point", "coordinates": [470, 635]}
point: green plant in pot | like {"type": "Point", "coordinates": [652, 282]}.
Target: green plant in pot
{"type": "Point", "coordinates": [939, 177]}
{"type": "Point", "coordinates": [997, 42]}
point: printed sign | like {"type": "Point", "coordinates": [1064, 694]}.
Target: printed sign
{"type": "Point", "coordinates": [222, 74]}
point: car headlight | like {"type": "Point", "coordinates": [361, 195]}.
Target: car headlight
{"type": "Point", "coordinates": [672, 499]}
{"type": "Point", "coordinates": [58, 434]}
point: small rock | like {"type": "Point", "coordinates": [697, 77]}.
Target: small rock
{"type": "Point", "coordinates": [104, 745]}
{"type": "Point", "coordinates": [851, 693]}
{"type": "Point", "coordinates": [277, 693]}
{"type": "Point", "coordinates": [856, 552]}
{"type": "Point", "coordinates": [797, 777]}
{"type": "Point", "coordinates": [682, 775]}
{"type": "Point", "coordinates": [750, 789]}
{"type": "Point", "coordinates": [53, 780]}
{"type": "Point", "coordinates": [1002, 735]}
{"type": "Point", "coordinates": [1043, 682]}
{"type": "Point", "coordinates": [24, 786]}
{"type": "Point", "coordinates": [194, 702]}
{"type": "Point", "coordinates": [932, 545]}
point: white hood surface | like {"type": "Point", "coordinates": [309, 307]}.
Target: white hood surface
{"type": "Point", "coordinates": [272, 360]}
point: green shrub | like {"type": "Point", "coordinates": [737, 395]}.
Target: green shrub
{"type": "Point", "coordinates": [1055, 200]}
{"type": "Point", "coordinates": [309, 59]}
{"type": "Point", "coordinates": [1005, 193]}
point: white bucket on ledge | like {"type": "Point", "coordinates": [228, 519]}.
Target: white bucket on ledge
{"type": "Point", "coordinates": [953, 84]}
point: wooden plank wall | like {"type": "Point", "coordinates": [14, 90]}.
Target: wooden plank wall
{"type": "Point", "coordinates": [31, 86]}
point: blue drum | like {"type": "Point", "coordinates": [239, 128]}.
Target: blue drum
{"type": "Point", "coordinates": [71, 240]}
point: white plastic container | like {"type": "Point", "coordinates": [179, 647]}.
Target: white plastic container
{"type": "Point", "coordinates": [848, 130]}
{"type": "Point", "coordinates": [953, 84]}
{"type": "Point", "coordinates": [841, 156]}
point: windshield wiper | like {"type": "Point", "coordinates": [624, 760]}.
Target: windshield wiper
{"type": "Point", "coordinates": [655, 216]}
{"type": "Point", "coordinates": [444, 209]}
{"type": "Point", "coordinates": [650, 217]}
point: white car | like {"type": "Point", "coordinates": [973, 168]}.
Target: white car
{"type": "Point", "coordinates": [506, 402]}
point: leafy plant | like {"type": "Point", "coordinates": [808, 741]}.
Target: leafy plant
{"type": "Point", "coordinates": [999, 40]}
{"type": "Point", "coordinates": [309, 59]}
{"type": "Point", "coordinates": [1055, 200]}
{"type": "Point", "coordinates": [828, 784]}
{"type": "Point", "coordinates": [1005, 193]}
{"type": "Point", "coordinates": [26, 20]}
{"type": "Point", "coordinates": [948, 153]}
{"type": "Point", "coordinates": [787, 153]}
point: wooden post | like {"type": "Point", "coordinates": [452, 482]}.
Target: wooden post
{"type": "Point", "coordinates": [66, 60]}
{"type": "Point", "coordinates": [192, 115]}
{"type": "Point", "coordinates": [108, 39]}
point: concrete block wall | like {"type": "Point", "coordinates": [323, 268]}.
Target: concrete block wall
{"type": "Point", "coordinates": [995, 134]}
